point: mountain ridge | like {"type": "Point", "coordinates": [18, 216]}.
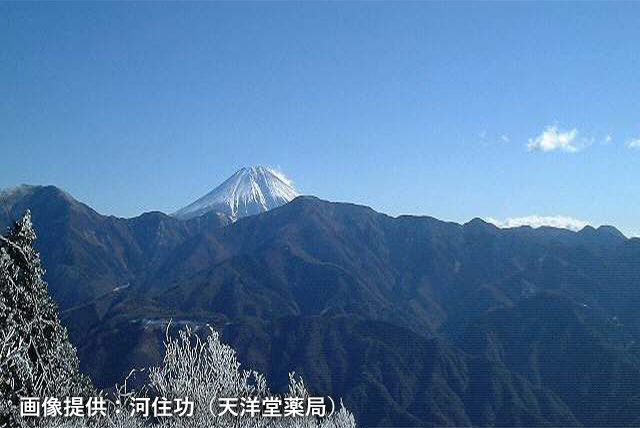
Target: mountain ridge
{"type": "Point", "coordinates": [365, 305]}
{"type": "Point", "coordinates": [25, 189]}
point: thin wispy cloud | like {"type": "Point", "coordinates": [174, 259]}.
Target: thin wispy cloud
{"type": "Point", "coordinates": [634, 144]}
{"type": "Point", "coordinates": [482, 135]}
{"type": "Point", "coordinates": [555, 139]}
{"type": "Point", "coordinates": [281, 176]}
{"type": "Point", "coordinates": [534, 221]}
{"type": "Point", "coordinates": [487, 139]}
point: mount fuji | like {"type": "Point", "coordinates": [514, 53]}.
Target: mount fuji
{"type": "Point", "coordinates": [251, 190]}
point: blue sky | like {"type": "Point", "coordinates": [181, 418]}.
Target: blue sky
{"type": "Point", "coordinates": [455, 110]}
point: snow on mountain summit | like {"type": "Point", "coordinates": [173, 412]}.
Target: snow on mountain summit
{"type": "Point", "coordinates": [251, 190]}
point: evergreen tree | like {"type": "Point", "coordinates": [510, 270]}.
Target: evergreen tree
{"type": "Point", "coordinates": [36, 357]}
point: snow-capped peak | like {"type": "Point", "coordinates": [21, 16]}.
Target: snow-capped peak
{"type": "Point", "coordinates": [251, 190]}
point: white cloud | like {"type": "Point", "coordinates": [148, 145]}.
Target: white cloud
{"type": "Point", "coordinates": [554, 139]}
{"type": "Point", "coordinates": [534, 221]}
{"type": "Point", "coordinates": [634, 144]}
{"type": "Point", "coordinates": [278, 173]}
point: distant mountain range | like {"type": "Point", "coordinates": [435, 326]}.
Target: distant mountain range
{"type": "Point", "coordinates": [412, 320]}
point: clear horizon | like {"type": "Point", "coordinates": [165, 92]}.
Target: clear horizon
{"type": "Point", "coordinates": [494, 110]}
